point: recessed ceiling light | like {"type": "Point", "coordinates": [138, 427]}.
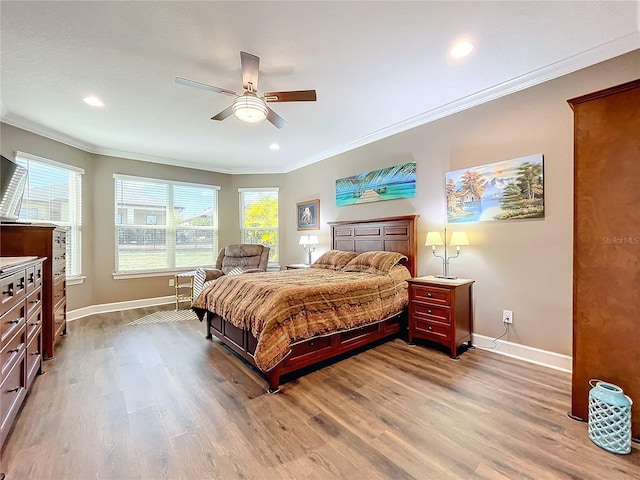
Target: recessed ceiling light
{"type": "Point", "coordinates": [93, 101]}
{"type": "Point", "coordinates": [461, 49]}
{"type": "Point", "coordinates": [274, 146]}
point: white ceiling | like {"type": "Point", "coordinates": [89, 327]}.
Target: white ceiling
{"type": "Point", "coordinates": [378, 68]}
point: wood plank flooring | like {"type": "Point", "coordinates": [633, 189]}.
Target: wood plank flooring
{"type": "Point", "coordinates": [158, 401]}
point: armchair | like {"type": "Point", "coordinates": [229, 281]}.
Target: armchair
{"type": "Point", "coordinates": [233, 259]}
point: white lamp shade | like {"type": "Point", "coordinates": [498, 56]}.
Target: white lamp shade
{"type": "Point", "coordinates": [308, 240]}
{"type": "Point", "coordinates": [459, 238]}
{"type": "Point", "coordinates": [433, 238]}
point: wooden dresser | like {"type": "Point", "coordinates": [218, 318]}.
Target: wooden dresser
{"type": "Point", "coordinates": [606, 245]}
{"type": "Point", "coordinates": [47, 241]}
{"type": "Point", "coordinates": [20, 334]}
{"type": "Point", "coordinates": [440, 310]}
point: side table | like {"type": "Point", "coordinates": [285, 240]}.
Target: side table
{"type": "Point", "coordinates": [294, 266]}
{"type": "Point", "coordinates": [184, 287]}
{"type": "Point", "coordinates": [441, 311]}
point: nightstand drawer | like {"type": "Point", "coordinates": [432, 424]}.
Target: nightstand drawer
{"type": "Point", "coordinates": [427, 328]}
{"type": "Point", "coordinates": [430, 312]}
{"type": "Point", "coordinates": [423, 293]}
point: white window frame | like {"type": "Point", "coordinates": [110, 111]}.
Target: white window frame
{"type": "Point", "coordinates": [272, 265]}
{"type": "Point", "coordinates": [74, 226]}
{"type": "Point", "coordinates": [170, 231]}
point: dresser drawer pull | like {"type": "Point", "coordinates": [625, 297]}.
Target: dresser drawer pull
{"type": "Point", "coordinates": [429, 312]}
{"type": "Point", "coordinates": [429, 328]}
{"type": "Point", "coordinates": [8, 292]}
{"type": "Point", "coordinates": [13, 390]}
{"type": "Point", "coordinates": [429, 295]}
{"type": "Point", "coordinates": [35, 324]}
{"type": "Point", "coordinates": [15, 350]}
{"type": "Point", "coordinates": [35, 353]}
{"type": "Point", "coordinates": [312, 343]}
{"type": "Point", "coordinates": [17, 320]}
{"type": "Point", "coordinates": [35, 302]}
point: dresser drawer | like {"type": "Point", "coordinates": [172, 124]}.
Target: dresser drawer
{"type": "Point", "coordinates": [60, 318]}
{"type": "Point", "coordinates": [12, 390]}
{"type": "Point", "coordinates": [34, 302]}
{"type": "Point", "coordinates": [59, 291]}
{"type": "Point", "coordinates": [13, 290]}
{"type": "Point", "coordinates": [34, 356]}
{"type": "Point", "coordinates": [430, 312]}
{"type": "Point", "coordinates": [429, 294]}
{"type": "Point", "coordinates": [426, 328]}
{"type": "Point", "coordinates": [11, 322]}
{"type": "Point", "coordinates": [34, 323]}
{"type": "Point", "coordinates": [12, 351]}
{"type": "Point", "coordinates": [59, 271]}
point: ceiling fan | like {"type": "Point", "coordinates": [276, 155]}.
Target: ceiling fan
{"type": "Point", "coordinates": [249, 107]}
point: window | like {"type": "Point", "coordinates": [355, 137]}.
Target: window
{"type": "Point", "coordinates": [54, 194]}
{"type": "Point", "coordinates": [259, 219]}
{"type": "Point", "coordinates": [163, 225]}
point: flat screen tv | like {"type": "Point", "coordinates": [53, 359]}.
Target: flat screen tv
{"type": "Point", "coordinates": [13, 179]}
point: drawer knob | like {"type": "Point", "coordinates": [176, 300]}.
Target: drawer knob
{"type": "Point", "coordinates": [429, 328]}
{"type": "Point", "coordinates": [13, 390]}
{"type": "Point", "coordinates": [35, 353]}
{"type": "Point", "coordinates": [8, 292]}
{"type": "Point", "coordinates": [15, 350]}
{"type": "Point", "coordinates": [429, 312]}
{"type": "Point", "coordinates": [35, 301]}
{"type": "Point", "coordinates": [311, 343]}
{"type": "Point", "coordinates": [17, 320]}
{"type": "Point", "coordinates": [429, 295]}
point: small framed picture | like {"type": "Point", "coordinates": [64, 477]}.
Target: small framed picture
{"type": "Point", "coordinates": [308, 214]}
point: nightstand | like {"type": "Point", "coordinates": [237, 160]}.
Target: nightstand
{"type": "Point", "coordinates": [441, 311]}
{"type": "Point", "coordinates": [295, 266]}
{"type": "Point", "coordinates": [184, 287]}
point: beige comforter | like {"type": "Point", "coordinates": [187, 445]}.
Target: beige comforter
{"type": "Point", "coordinates": [282, 308]}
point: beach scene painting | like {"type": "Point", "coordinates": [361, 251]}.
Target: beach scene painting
{"type": "Point", "coordinates": [385, 184]}
{"type": "Point", "coordinates": [513, 189]}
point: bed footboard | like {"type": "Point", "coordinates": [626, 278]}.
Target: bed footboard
{"type": "Point", "coordinates": [307, 353]}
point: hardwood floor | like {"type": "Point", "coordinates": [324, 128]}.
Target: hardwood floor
{"type": "Point", "coordinates": [159, 401]}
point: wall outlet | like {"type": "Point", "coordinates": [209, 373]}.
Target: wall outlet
{"type": "Point", "coordinates": [507, 316]}
{"type": "Point", "coordinates": [172, 282]}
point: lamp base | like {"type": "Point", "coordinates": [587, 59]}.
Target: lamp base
{"type": "Point", "coordinates": [448, 277]}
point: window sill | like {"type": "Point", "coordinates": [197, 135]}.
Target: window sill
{"type": "Point", "coordinates": [164, 273]}
{"type": "Point", "coordinates": [75, 280]}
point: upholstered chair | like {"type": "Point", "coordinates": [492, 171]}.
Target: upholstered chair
{"type": "Point", "coordinates": [232, 259]}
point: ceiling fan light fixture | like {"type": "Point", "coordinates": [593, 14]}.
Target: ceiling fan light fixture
{"type": "Point", "coordinates": [249, 109]}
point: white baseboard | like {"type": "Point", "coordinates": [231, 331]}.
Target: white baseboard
{"type": "Point", "coordinates": [545, 358]}
{"type": "Point", "coordinates": [114, 307]}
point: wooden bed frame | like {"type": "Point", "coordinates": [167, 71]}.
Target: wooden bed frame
{"type": "Point", "coordinates": [396, 234]}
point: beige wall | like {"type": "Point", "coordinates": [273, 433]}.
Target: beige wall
{"type": "Point", "coordinates": [524, 266]}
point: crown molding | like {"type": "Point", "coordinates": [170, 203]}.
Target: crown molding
{"type": "Point", "coordinates": [606, 51]}
{"type": "Point", "coordinates": [33, 127]}
{"type": "Point", "coordinates": [109, 152]}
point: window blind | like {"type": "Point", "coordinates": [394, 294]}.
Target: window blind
{"type": "Point", "coordinates": [53, 194]}
{"type": "Point", "coordinates": [164, 225]}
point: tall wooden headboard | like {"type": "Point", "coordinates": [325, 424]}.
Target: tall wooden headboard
{"type": "Point", "coordinates": [392, 234]}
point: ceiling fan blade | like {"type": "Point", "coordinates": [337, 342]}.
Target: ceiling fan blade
{"type": "Point", "coordinates": [297, 96]}
{"type": "Point", "coordinates": [276, 119]}
{"type": "Point", "coordinates": [204, 86]}
{"type": "Point", "coordinates": [227, 112]}
{"type": "Point", "coordinates": [250, 65]}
